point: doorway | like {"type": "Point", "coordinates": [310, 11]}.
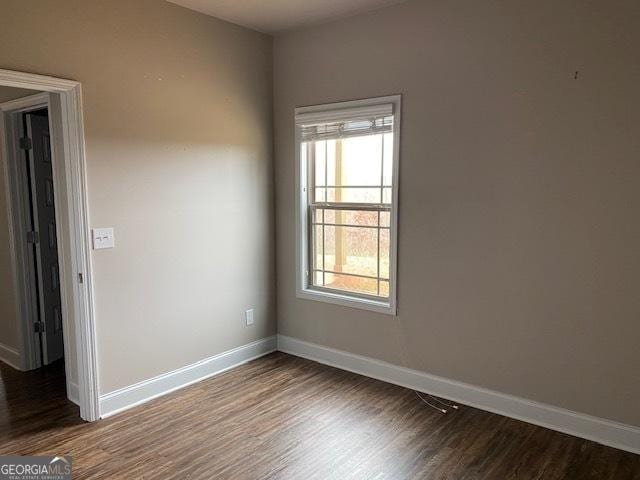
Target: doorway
{"type": "Point", "coordinates": [40, 317]}
{"type": "Point", "coordinates": [42, 156]}
{"type": "Point", "coordinates": [40, 212]}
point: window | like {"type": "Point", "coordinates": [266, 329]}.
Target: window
{"type": "Point", "coordinates": [347, 202]}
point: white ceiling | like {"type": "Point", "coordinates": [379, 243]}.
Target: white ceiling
{"type": "Point", "coordinates": [277, 16]}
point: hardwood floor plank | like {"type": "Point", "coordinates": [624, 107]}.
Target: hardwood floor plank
{"type": "Point", "coordinates": [282, 417]}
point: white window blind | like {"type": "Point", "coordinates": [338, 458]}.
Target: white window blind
{"type": "Point", "coordinates": [328, 125]}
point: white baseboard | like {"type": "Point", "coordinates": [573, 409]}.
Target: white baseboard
{"type": "Point", "coordinates": [10, 356]}
{"type": "Point", "coordinates": [606, 432]}
{"type": "Point", "coordinates": [127, 397]}
{"type": "Point", "coordinates": [73, 392]}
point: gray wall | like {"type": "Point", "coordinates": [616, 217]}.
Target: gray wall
{"type": "Point", "coordinates": [519, 193]}
{"type": "Point", "coordinates": [178, 110]}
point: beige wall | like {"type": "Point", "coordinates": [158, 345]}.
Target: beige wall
{"type": "Point", "coordinates": [519, 197]}
{"type": "Point", "coordinates": [11, 93]}
{"type": "Point", "coordinates": [178, 135]}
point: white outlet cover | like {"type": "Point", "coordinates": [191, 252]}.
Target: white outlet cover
{"type": "Point", "coordinates": [248, 316]}
{"type": "Point", "coordinates": [103, 238]}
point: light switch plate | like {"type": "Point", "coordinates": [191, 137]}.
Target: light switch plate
{"type": "Point", "coordinates": [103, 238]}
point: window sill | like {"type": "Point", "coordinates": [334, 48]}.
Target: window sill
{"type": "Point", "coordinates": [347, 301]}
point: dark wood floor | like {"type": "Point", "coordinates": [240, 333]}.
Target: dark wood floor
{"type": "Point", "coordinates": [288, 418]}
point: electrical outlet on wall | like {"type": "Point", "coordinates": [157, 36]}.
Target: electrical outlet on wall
{"type": "Point", "coordinates": [248, 317]}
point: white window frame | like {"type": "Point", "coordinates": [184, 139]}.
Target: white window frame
{"type": "Point", "coordinates": [303, 288]}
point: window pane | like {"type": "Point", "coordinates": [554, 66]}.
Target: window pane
{"type": "Point", "coordinates": [331, 161]}
{"type": "Point", "coordinates": [384, 289]}
{"type": "Point", "coordinates": [320, 194]}
{"type": "Point", "coordinates": [352, 284]}
{"type": "Point", "coordinates": [304, 149]}
{"type": "Point", "coordinates": [319, 158]}
{"type": "Point", "coordinates": [354, 249]}
{"type": "Point", "coordinates": [352, 217]}
{"type": "Point", "coordinates": [385, 244]}
{"type": "Point", "coordinates": [320, 163]}
{"type": "Point", "coordinates": [317, 245]}
{"type": "Point", "coordinates": [387, 195]}
{"type": "Point", "coordinates": [354, 161]}
{"type": "Point", "coordinates": [388, 159]}
{"type": "Point", "coordinates": [385, 219]}
{"type": "Point", "coordinates": [317, 215]}
{"type": "Point", "coordinates": [317, 279]}
{"type": "Point", "coordinates": [351, 250]}
{"type": "Point", "coordinates": [353, 195]}
{"type": "Point", "coordinates": [361, 160]}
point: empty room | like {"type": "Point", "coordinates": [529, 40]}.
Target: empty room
{"type": "Point", "coordinates": [321, 239]}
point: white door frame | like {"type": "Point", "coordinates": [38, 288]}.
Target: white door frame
{"type": "Point", "coordinates": [64, 101]}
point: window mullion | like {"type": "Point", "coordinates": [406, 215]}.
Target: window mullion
{"type": "Point", "coordinates": [381, 201]}
{"type": "Point", "coordinates": [382, 172]}
{"type": "Point", "coordinates": [324, 251]}
{"type": "Point", "coordinates": [365, 207]}
{"type": "Point", "coordinates": [378, 255]}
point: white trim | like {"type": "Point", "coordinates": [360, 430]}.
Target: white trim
{"type": "Point", "coordinates": [334, 110]}
{"type": "Point", "coordinates": [141, 392]}
{"type": "Point", "coordinates": [74, 235]}
{"type": "Point", "coordinates": [345, 300]}
{"type": "Point", "coordinates": [10, 356]}
{"type": "Point", "coordinates": [60, 188]}
{"type": "Point", "coordinates": [606, 432]}
{"type": "Point", "coordinates": [79, 237]}
{"type": "Point", "coordinates": [30, 81]}
{"type": "Point", "coordinates": [73, 392]}
{"type": "Point", "coordinates": [32, 102]}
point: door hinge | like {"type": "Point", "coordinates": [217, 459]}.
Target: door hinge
{"type": "Point", "coordinates": [38, 327]}
{"type": "Point", "coordinates": [80, 277]}
{"type": "Point", "coordinates": [26, 143]}
{"type": "Point", "coordinates": [33, 237]}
